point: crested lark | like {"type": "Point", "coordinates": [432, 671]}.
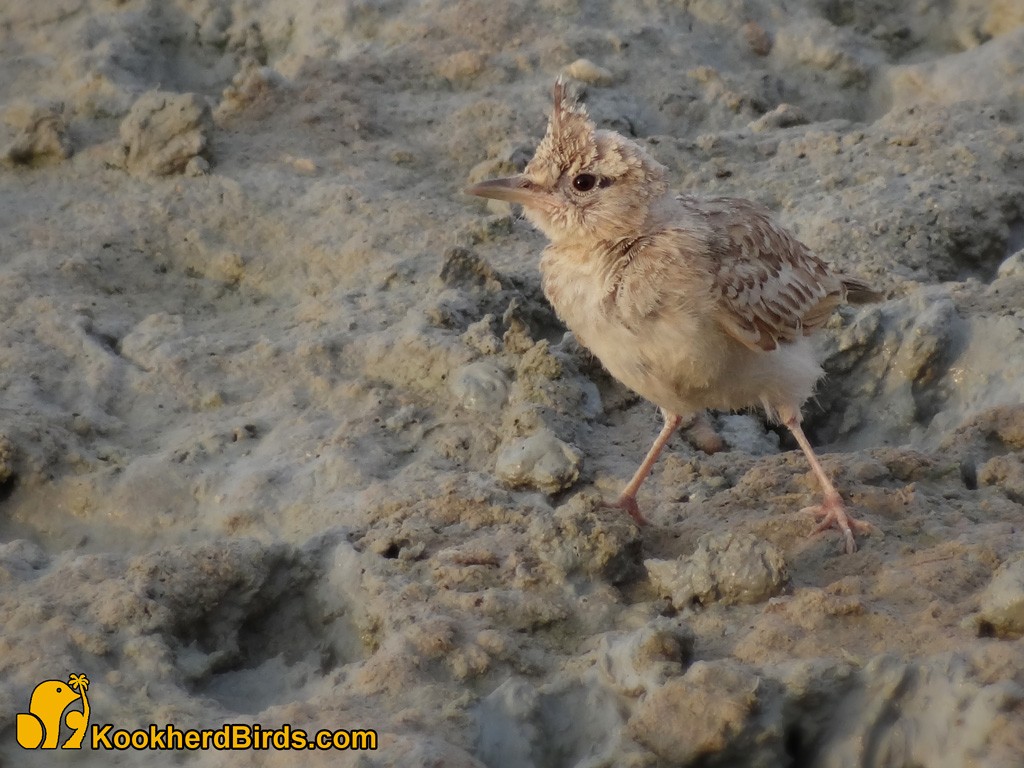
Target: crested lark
{"type": "Point", "coordinates": [691, 303]}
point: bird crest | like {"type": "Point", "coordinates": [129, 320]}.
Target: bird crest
{"type": "Point", "coordinates": [570, 143]}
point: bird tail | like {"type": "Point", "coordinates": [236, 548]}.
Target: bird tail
{"type": "Point", "coordinates": [859, 292]}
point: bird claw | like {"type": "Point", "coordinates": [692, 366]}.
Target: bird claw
{"type": "Point", "coordinates": [834, 515]}
{"type": "Point", "coordinates": [627, 504]}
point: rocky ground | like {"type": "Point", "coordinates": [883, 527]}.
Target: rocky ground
{"type": "Point", "coordinates": [289, 435]}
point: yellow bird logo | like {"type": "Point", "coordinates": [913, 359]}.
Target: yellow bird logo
{"type": "Point", "coordinates": [40, 726]}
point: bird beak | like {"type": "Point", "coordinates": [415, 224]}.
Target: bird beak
{"type": "Point", "coordinates": [514, 189]}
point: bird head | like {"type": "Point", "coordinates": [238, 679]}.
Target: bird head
{"type": "Point", "coordinates": [582, 181]}
{"type": "Point", "coordinates": [51, 697]}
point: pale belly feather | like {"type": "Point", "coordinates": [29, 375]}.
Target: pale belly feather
{"type": "Point", "coordinates": [680, 361]}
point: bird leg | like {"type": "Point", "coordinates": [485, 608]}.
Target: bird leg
{"type": "Point", "coordinates": [627, 499]}
{"type": "Point", "coordinates": [831, 510]}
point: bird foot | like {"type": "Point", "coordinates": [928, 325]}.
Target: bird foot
{"type": "Point", "coordinates": [833, 515]}
{"type": "Point", "coordinates": [628, 504]}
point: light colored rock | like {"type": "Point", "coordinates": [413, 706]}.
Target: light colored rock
{"type": "Point", "coordinates": [481, 386]}
{"type": "Point", "coordinates": [583, 537]}
{"type": "Point", "coordinates": [464, 268]}
{"type": "Point", "coordinates": [726, 567]}
{"type": "Point", "coordinates": [640, 661]}
{"type": "Point", "coordinates": [540, 461]}
{"type": "Point", "coordinates": [1005, 472]}
{"type": "Point", "coordinates": [7, 459]}
{"type": "Point", "coordinates": [1013, 266]}
{"type": "Point", "coordinates": [590, 73]}
{"type": "Point", "coordinates": [1002, 602]}
{"type": "Point", "coordinates": [20, 560]}
{"type": "Point", "coordinates": [197, 166]}
{"type": "Point", "coordinates": [522, 725]}
{"type": "Point", "coordinates": [163, 132]}
{"type": "Point", "coordinates": [995, 69]}
{"type": "Point", "coordinates": [746, 433]}
{"type": "Point", "coordinates": [783, 116]}
{"type": "Point", "coordinates": [757, 38]}
{"type": "Point", "coordinates": [40, 130]}
{"type": "Point", "coordinates": [698, 714]}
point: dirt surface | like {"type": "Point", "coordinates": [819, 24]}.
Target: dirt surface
{"type": "Point", "coordinates": [288, 434]}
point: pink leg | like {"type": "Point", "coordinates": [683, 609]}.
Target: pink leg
{"type": "Point", "coordinates": [627, 499]}
{"type": "Point", "coordinates": [831, 510]}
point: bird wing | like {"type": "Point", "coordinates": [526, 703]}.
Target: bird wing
{"type": "Point", "coordinates": [767, 286]}
{"type": "Point", "coordinates": [656, 273]}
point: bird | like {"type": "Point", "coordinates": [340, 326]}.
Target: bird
{"type": "Point", "coordinates": [693, 303]}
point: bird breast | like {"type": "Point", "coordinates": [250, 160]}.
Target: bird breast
{"type": "Point", "coordinates": [656, 351]}
{"type": "Point", "coordinates": [673, 353]}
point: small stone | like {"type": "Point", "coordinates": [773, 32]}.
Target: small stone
{"type": "Point", "coordinates": [540, 461]}
{"type": "Point", "coordinates": [41, 132]}
{"type": "Point", "coordinates": [729, 568]}
{"type": "Point", "coordinates": [757, 38]}
{"type": "Point", "coordinates": [480, 387]}
{"type": "Point", "coordinates": [197, 166]}
{"type": "Point", "coordinates": [583, 537]}
{"type": "Point", "coordinates": [1013, 266]}
{"type": "Point", "coordinates": [163, 132]}
{"type": "Point", "coordinates": [698, 714]}
{"type": "Point", "coordinates": [783, 116]}
{"type": "Point", "coordinates": [561, 721]}
{"type": "Point", "coordinates": [1005, 472]}
{"type": "Point", "coordinates": [1002, 602]}
{"type": "Point", "coordinates": [462, 268]}
{"type": "Point", "coordinates": [481, 337]}
{"type": "Point", "coordinates": [642, 660]}
{"type": "Point", "coordinates": [402, 419]}
{"type": "Point", "coordinates": [463, 67]}
{"type": "Point", "coordinates": [746, 433]}
{"type": "Point", "coordinates": [20, 560]}
{"type": "Point", "coordinates": [590, 73]}
{"type": "Point", "coordinates": [252, 82]}
{"type": "Point", "coordinates": [7, 456]}
{"type": "Point", "coordinates": [213, 28]}
{"type": "Point", "coordinates": [516, 338]}
{"type": "Point", "coordinates": [402, 157]}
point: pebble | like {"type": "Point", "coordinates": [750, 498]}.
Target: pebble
{"type": "Point", "coordinates": [590, 73]}
{"type": "Point", "coordinates": [540, 461]}
{"type": "Point", "coordinates": [757, 38]}
{"type": "Point", "coordinates": [480, 386]}
{"type": "Point", "coordinates": [729, 568]}
{"type": "Point", "coordinates": [164, 132]}
{"type": "Point", "coordinates": [1002, 602]}
{"type": "Point", "coordinates": [639, 661]}
{"type": "Point", "coordinates": [746, 433]}
{"type": "Point", "coordinates": [42, 131]}
{"type": "Point", "coordinates": [711, 705]}
{"type": "Point", "coordinates": [584, 537]}
{"type": "Point", "coordinates": [1012, 266]}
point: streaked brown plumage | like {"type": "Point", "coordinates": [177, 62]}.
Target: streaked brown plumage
{"type": "Point", "coordinates": [691, 303]}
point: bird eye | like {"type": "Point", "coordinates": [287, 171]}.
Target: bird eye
{"type": "Point", "coordinates": [584, 182]}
